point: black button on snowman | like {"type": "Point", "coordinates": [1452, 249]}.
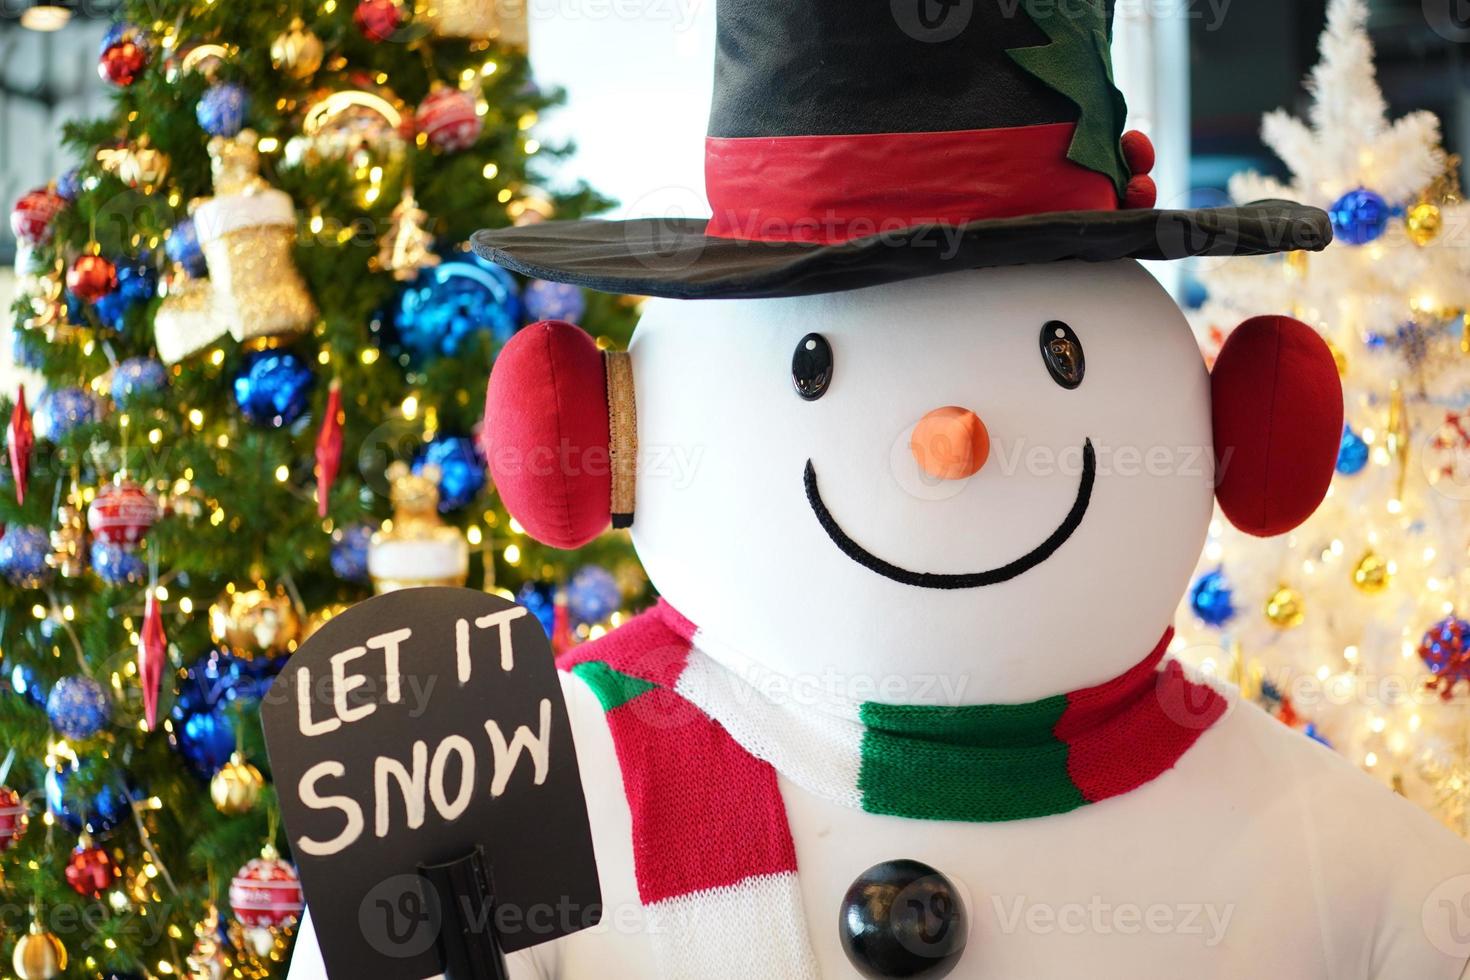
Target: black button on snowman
{"type": "Point", "coordinates": [903, 919]}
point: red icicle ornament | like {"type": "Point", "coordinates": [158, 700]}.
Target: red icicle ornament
{"type": "Point", "coordinates": [22, 441]}
{"type": "Point", "coordinates": [562, 639]}
{"type": "Point", "coordinates": [152, 652]}
{"type": "Point", "coordinates": [329, 447]}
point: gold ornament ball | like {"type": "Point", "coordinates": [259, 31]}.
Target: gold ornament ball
{"type": "Point", "coordinates": [236, 787]}
{"type": "Point", "coordinates": [321, 617]}
{"type": "Point", "coordinates": [255, 623]}
{"type": "Point", "coordinates": [1425, 221]}
{"type": "Point", "coordinates": [39, 955]}
{"type": "Point", "coordinates": [1285, 608]}
{"type": "Point", "coordinates": [1372, 574]}
{"type": "Point", "coordinates": [297, 51]}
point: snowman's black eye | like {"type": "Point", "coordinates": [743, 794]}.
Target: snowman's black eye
{"type": "Point", "coordinates": [811, 367]}
{"type": "Point", "coordinates": [1062, 352]}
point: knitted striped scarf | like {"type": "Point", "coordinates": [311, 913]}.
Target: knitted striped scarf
{"type": "Point", "coordinates": [701, 734]}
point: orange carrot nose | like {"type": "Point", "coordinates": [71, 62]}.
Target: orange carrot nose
{"type": "Point", "coordinates": [950, 443]}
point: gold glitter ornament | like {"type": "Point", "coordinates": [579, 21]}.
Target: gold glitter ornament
{"type": "Point", "coordinates": [406, 247]}
{"type": "Point", "coordinates": [248, 233]}
{"type": "Point", "coordinates": [322, 617]}
{"type": "Point", "coordinates": [416, 548]}
{"type": "Point", "coordinates": [1424, 221]}
{"type": "Point", "coordinates": [187, 320]}
{"type": "Point", "coordinates": [236, 787]}
{"type": "Point", "coordinates": [39, 955]}
{"type": "Point", "coordinates": [255, 623]}
{"type": "Point", "coordinates": [69, 538]}
{"type": "Point", "coordinates": [207, 960]}
{"type": "Point", "coordinates": [297, 51]}
{"type": "Point", "coordinates": [480, 20]}
{"type": "Point", "coordinates": [1285, 609]}
{"type": "Point", "coordinates": [1372, 574]}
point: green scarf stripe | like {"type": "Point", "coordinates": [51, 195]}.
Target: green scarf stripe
{"type": "Point", "coordinates": [612, 688]}
{"type": "Point", "coordinates": [982, 763]}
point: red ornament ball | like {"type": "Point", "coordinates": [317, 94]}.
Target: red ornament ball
{"type": "Point", "coordinates": [448, 118]}
{"type": "Point", "coordinates": [267, 892]}
{"type": "Point", "coordinates": [123, 62]}
{"type": "Point", "coordinates": [91, 277]}
{"type": "Point", "coordinates": [14, 815]}
{"type": "Point", "coordinates": [122, 513]}
{"type": "Point", "coordinates": [31, 218]}
{"type": "Point", "coordinates": [90, 872]}
{"type": "Point", "coordinates": [378, 20]}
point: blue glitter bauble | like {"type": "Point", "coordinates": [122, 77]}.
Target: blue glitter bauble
{"type": "Point", "coordinates": [442, 311]}
{"type": "Point", "coordinates": [26, 350]}
{"type": "Point", "coordinates": [137, 376]}
{"type": "Point", "coordinates": [23, 553]}
{"type": "Point", "coordinates": [546, 300]}
{"type": "Point", "coordinates": [540, 599]}
{"type": "Point", "coordinates": [78, 707]}
{"type": "Point", "coordinates": [205, 739]}
{"type": "Point", "coordinates": [461, 471]}
{"type": "Point", "coordinates": [61, 410]}
{"type": "Point", "coordinates": [69, 184]}
{"type": "Point", "coordinates": [350, 552]}
{"type": "Point", "coordinates": [221, 109]}
{"type": "Point", "coordinates": [1210, 598]}
{"type": "Point", "coordinates": [1359, 217]}
{"type": "Point", "coordinates": [593, 595]}
{"type": "Point", "coordinates": [116, 564]}
{"type": "Point", "coordinates": [1352, 453]}
{"type": "Point", "coordinates": [182, 246]}
{"type": "Point", "coordinates": [273, 388]}
{"type": "Point", "coordinates": [28, 684]}
{"type": "Point", "coordinates": [218, 678]}
{"type": "Point", "coordinates": [98, 812]}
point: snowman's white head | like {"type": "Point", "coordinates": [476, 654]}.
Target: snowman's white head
{"type": "Point", "coordinates": [1001, 478]}
{"type": "Point", "coordinates": [986, 486]}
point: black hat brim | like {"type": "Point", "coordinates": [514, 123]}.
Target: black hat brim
{"type": "Point", "coordinates": [674, 258]}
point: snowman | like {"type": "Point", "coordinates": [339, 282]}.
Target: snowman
{"type": "Point", "coordinates": [920, 459]}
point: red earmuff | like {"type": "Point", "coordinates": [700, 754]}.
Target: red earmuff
{"type": "Point", "coordinates": [553, 453]}
{"type": "Point", "coordinates": [1277, 403]}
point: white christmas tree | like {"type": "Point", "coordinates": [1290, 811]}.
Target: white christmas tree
{"type": "Point", "coordinates": [1353, 626]}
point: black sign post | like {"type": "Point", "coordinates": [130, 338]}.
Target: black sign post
{"type": "Point", "coordinates": [429, 787]}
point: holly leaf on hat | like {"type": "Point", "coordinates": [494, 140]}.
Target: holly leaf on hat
{"type": "Point", "coordinates": [1078, 63]}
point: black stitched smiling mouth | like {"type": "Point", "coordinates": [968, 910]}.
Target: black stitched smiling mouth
{"type": "Point", "coordinates": [967, 580]}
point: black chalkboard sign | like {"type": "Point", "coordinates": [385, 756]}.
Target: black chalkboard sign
{"type": "Point", "coordinates": [409, 731]}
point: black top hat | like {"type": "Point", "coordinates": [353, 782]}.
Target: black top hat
{"type": "Point", "coordinates": [858, 142]}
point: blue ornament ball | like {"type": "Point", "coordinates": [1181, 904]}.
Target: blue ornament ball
{"type": "Point", "coordinates": [449, 305]}
{"type": "Point", "coordinates": [273, 388]}
{"type": "Point", "coordinates": [116, 564]}
{"type": "Point", "coordinates": [593, 595]}
{"type": "Point", "coordinates": [217, 678]}
{"type": "Point", "coordinates": [69, 184]}
{"type": "Point", "coordinates": [1352, 453]}
{"type": "Point", "coordinates": [60, 410]}
{"type": "Point", "coordinates": [137, 376]}
{"type": "Point", "coordinates": [25, 681]}
{"type": "Point", "coordinates": [26, 350]}
{"type": "Point", "coordinates": [205, 739]}
{"type": "Point", "coordinates": [1212, 599]}
{"type": "Point", "coordinates": [540, 599]}
{"type": "Point", "coordinates": [546, 300]}
{"type": "Point", "coordinates": [23, 553]}
{"type": "Point", "coordinates": [1359, 217]}
{"type": "Point", "coordinates": [221, 109]}
{"type": "Point", "coordinates": [78, 707]}
{"type": "Point", "coordinates": [182, 246]}
{"type": "Point", "coordinates": [461, 471]}
{"type": "Point", "coordinates": [350, 552]}
{"type": "Point", "coordinates": [75, 799]}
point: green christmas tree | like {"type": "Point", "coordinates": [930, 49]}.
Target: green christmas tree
{"type": "Point", "coordinates": [256, 358]}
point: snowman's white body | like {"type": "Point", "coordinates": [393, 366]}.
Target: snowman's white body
{"type": "Point", "coordinates": [1260, 854]}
